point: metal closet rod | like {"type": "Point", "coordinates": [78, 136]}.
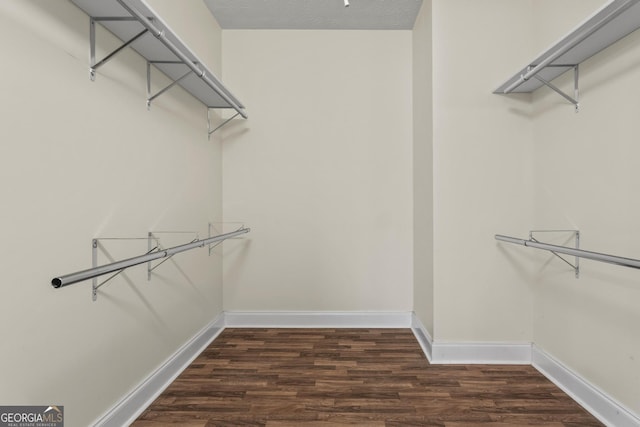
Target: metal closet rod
{"type": "Point", "coordinates": [580, 253]}
{"type": "Point", "coordinates": [177, 52]}
{"type": "Point", "coordinates": [70, 279]}
{"type": "Point", "coordinates": [578, 38]}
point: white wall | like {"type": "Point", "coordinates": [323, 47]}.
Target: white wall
{"type": "Point", "coordinates": [321, 172]}
{"type": "Point", "coordinates": [512, 164]}
{"type": "Point", "coordinates": [423, 304]}
{"type": "Point", "coordinates": [80, 160]}
{"type": "Point", "coordinates": [586, 175]}
{"type": "Point", "coordinates": [483, 182]}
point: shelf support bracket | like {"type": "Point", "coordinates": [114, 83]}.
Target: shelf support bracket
{"type": "Point", "coordinates": [574, 99]}
{"type": "Point", "coordinates": [151, 97]}
{"type": "Point", "coordinates": [576, 233]}
{"type": "Point", "coordinates": [209, 130]}
{"type": "Point", "coordinates": [92, 42]}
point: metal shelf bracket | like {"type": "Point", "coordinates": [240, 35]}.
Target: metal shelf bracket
{"type": "Point", "coordinates": [92, 42]}
{"type": "Point", "coordinates": [151, 97]}
{"type": "Point", "coordinates": [576, 234]}
{"type": "Point", "coordinates": [576, 92]}
{"type": "Point", "coordinates": [211, 131]}
{"type": "Point", "coordinates": [215, 228]}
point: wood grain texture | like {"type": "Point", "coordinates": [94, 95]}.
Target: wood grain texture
{"type": "Point", "coordinates": [367, 377]}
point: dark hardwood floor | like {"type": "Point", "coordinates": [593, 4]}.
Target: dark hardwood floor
{"type": "Point", "coordinates": [367, 377]}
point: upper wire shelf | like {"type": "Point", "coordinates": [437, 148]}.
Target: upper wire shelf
{"type": "Point", "coordinates": [139, 27]}
{"type": "Point", "coordinates": [615, 20]}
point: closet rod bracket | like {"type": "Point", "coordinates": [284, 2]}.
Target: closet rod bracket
{"type": "Point", "coordinates": [95, 243]}
{"type": "Point", "coordinates": [213, 230]}
{"type": "Point", "coordinates": [94, 264]}
{"type": "Point", "coordinates": [576, 236]}
{"type": "Point", "coordinates": [154, 243]}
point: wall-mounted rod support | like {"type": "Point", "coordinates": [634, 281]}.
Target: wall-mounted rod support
{"type": "Point", "coordinates": [79, 276]}
{"type": "Point", "coordinates": [178, 53]}
{"type": "Point", "coordinates": [576, 235]}
{"type": "Point", "coordinates": [580, 253]}
{"type": "Point", "coordinates": [618, 8]}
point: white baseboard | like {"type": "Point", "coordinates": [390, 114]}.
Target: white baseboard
{"type": "Point", "coordinates": [590, 397]}
{"type": "Point", "coordinates": [481, 353]}
{"type": "Point", "coordinates": [423, 337]}
{"type": "Point", "coordinates": [439, 353]}
{"type": "Point", "coordinates": [133, 404]}
{"type": "Point", "coordinates": [322, 319]}
{"type": "Point", "coordinates": [596, 402]}
{"type": "Point", "coordinates": [587, 395]}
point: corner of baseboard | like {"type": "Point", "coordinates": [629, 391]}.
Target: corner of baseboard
{"type": "Point", "coordinates": [471, 353]}
{"type": "Point", "coordinates": [422, 335]}
{"type": "Point", "coordinates": [481, 353]}
{"type": "Point", "coordinates": [590, 397]}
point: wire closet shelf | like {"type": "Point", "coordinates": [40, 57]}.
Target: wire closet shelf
{"type": "Point", "coordinates": [136, 24]}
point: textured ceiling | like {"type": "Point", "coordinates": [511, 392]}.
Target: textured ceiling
{"type": "Point", "coordinates": [315, 14]}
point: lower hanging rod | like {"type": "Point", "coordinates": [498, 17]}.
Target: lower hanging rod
{"type": "Point", "coordinates": [580, 253]}
{"type": "Point", "coordinates": [70, 279]}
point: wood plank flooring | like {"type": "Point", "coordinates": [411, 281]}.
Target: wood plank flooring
{"type": "Point", "coordinates": [366, 377]}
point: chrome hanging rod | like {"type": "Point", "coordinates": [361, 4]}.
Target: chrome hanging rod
{"type": "Point", "coordinates": [580, 253]}
{"type": "Point", "coordinates": [90, 273]}
{"type": "Point", "coordinates": [619, 7]}
{"type": "Point", "coordinates": [159, 34]}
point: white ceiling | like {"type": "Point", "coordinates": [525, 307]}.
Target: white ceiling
{"type": "Point", "coordinates": [315, 14]}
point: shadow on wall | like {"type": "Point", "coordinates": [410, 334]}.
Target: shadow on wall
{"type": "Point", "coordinates": [517, 262]}
{"type": "Point", "coordinates": [238, 255]}
{"type": "Point", "coordinates": [597, 295]}
{"type": "Point", "coordinates": [84, 362]}
{"type": "Point", "coordinates": [233, 130]}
